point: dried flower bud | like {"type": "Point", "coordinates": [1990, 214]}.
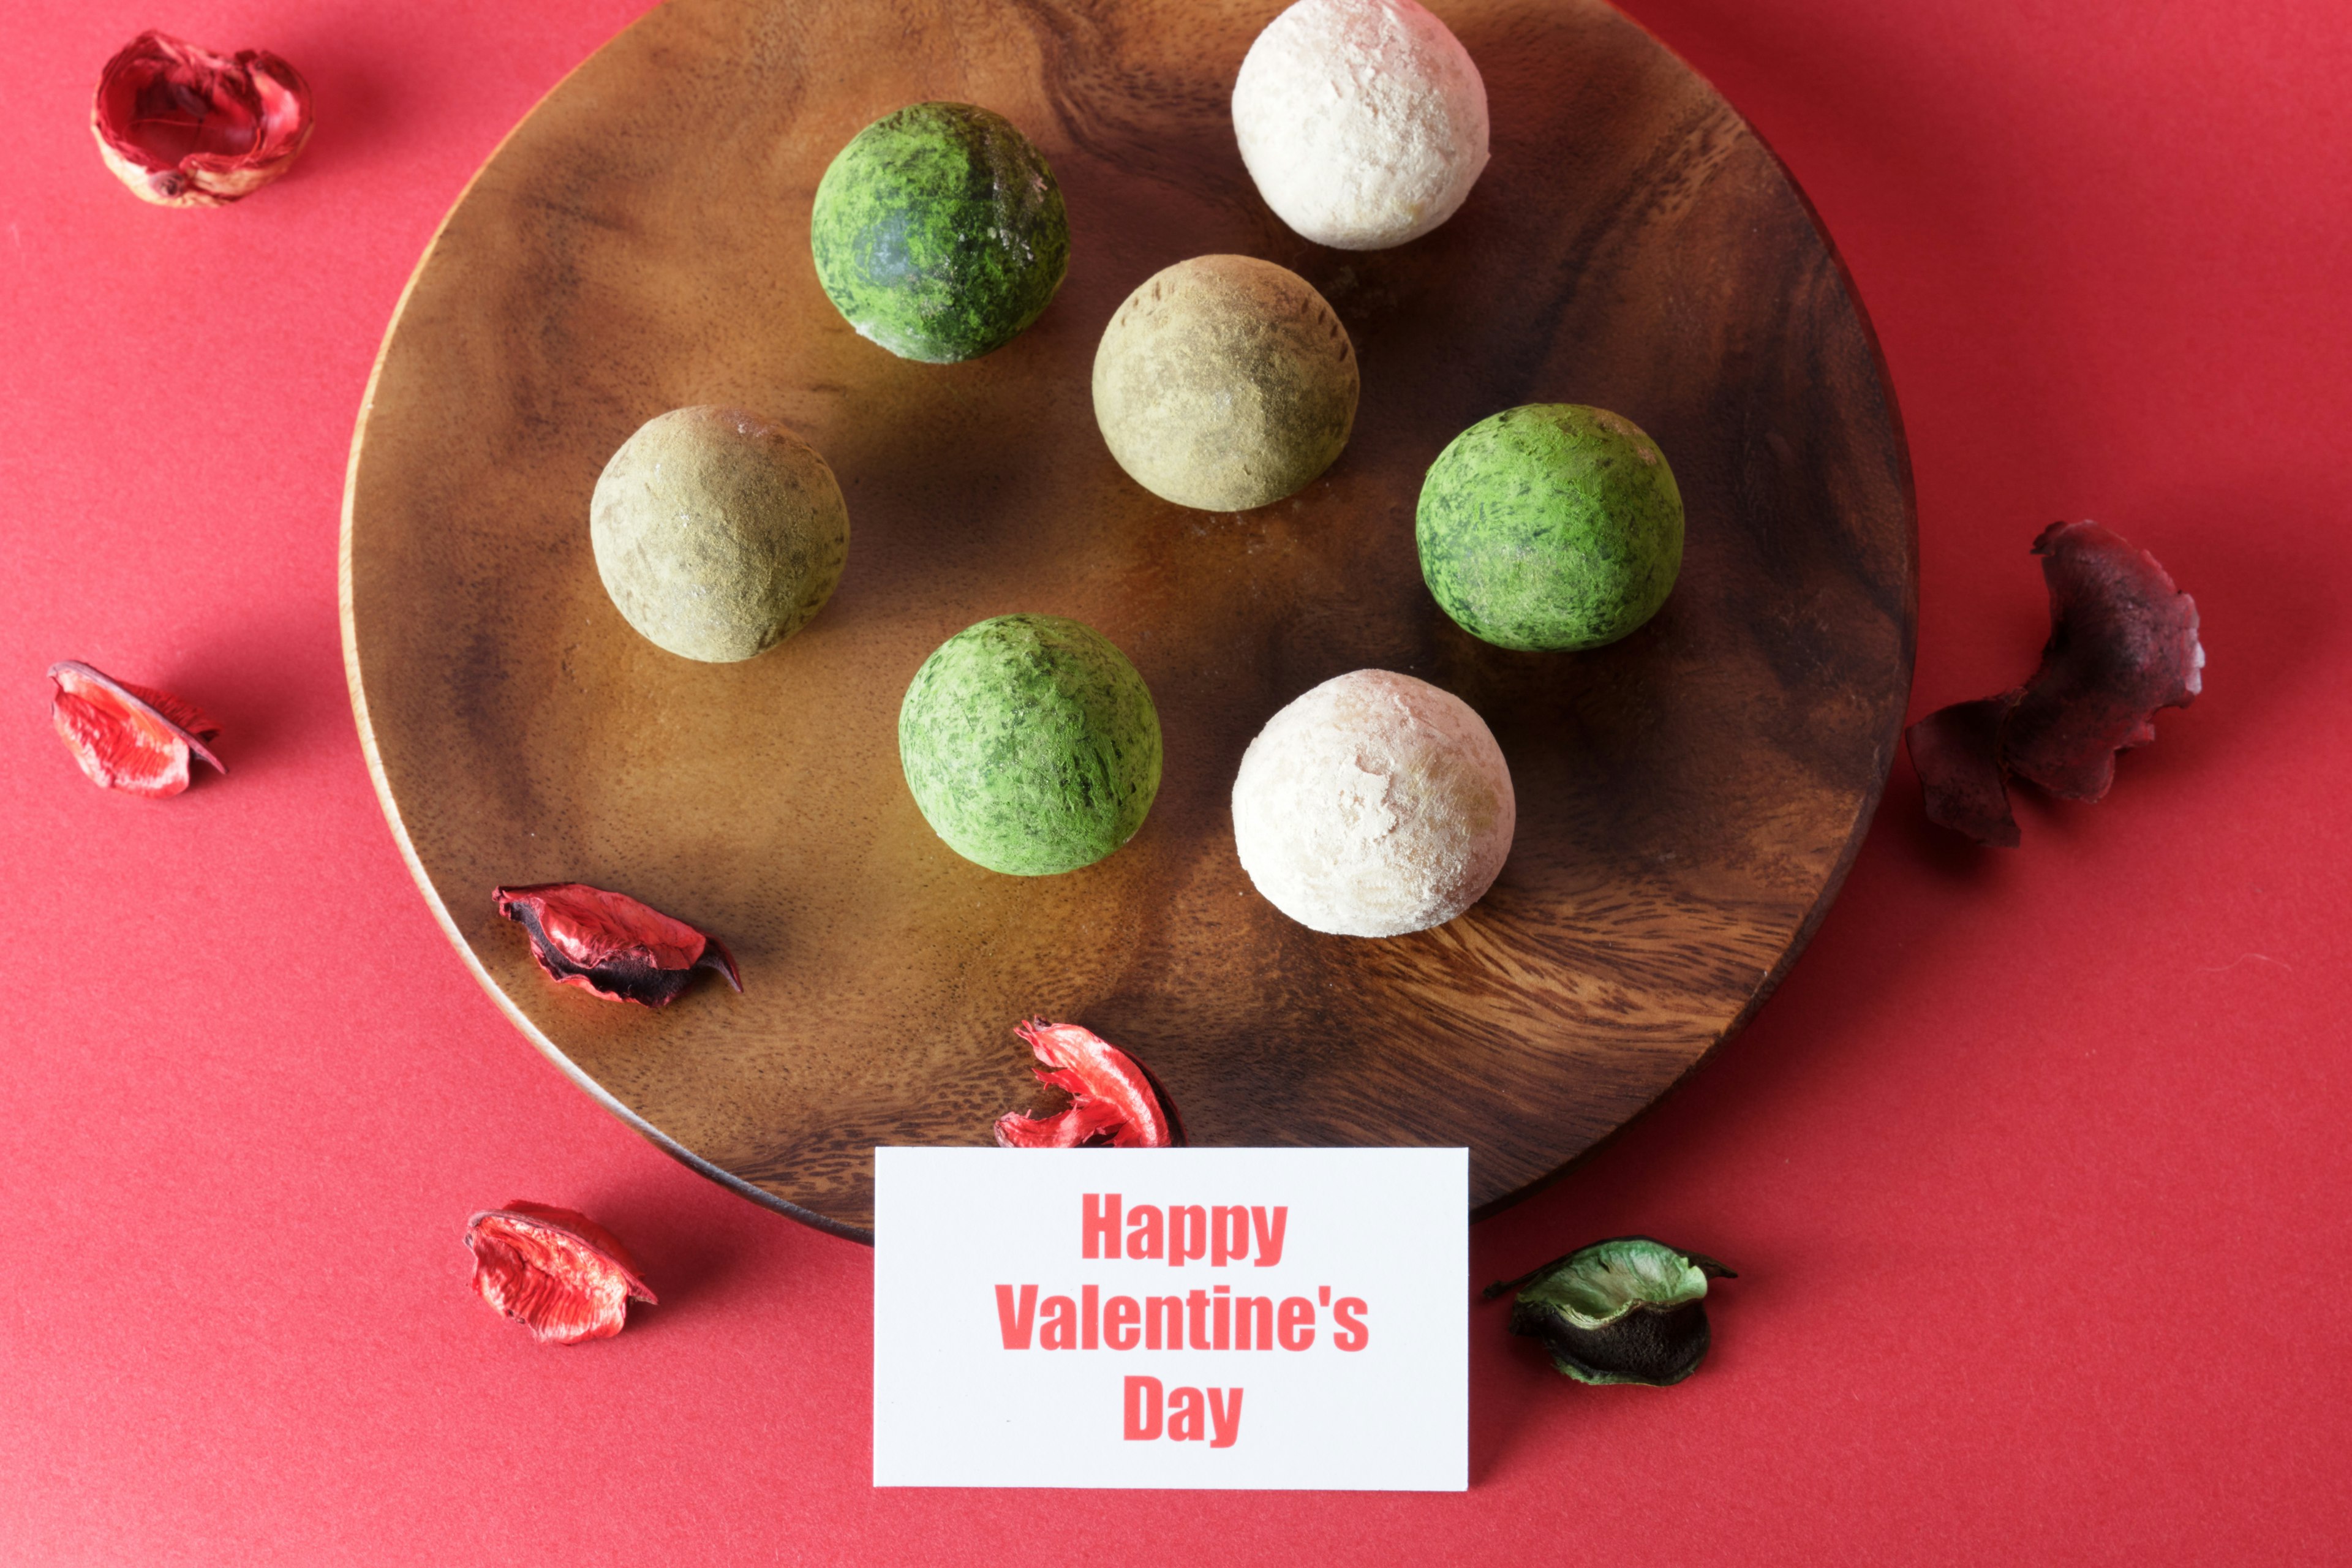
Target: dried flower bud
{"type": "Point", "coordinates": [184, 127]}
{"type": "Point", "coordinates": [126, 737]}
{"type": "Point", "coordinates": [559, 1274]}
{"type": "Point", "coordinates": [1627, 1311]}
{"type": "Point", "coordinates": [1114, 1102]}
{"type": "Point", "coordinates": [2123, 643]}
{"type": "Point", "coordinates": [611, 944]}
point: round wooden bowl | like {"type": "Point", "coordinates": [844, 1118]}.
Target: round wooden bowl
{"type": "Point", "coordinates": [1689, 798]}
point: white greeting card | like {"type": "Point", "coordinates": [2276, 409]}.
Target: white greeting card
{"type": "Point", "coordinates": [1243, 1317]}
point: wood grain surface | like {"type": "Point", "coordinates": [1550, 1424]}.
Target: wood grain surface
{"type": "Point", "coordinates": [1689, 798]}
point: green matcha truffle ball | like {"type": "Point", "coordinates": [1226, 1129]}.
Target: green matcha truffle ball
{"type": "Point", "coordinates": [1225, 383]}
{"type": "Point", "coordinates": [1031, 744]}
{"type": "Point", "coordinates": [1552, 526]}
{"type": "Point", "coordinates": [718, 533]}
{"type": "Point", "coordinates": [939, 232]}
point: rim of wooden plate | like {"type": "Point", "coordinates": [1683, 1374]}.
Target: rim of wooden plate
{"type": "Point", "coordinates": [1797, 942]}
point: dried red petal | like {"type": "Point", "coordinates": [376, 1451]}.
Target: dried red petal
{"type": "Point", "coordinates": [1114, 1102]}
{"type": "Point", "coordinates": [610, 943]}
{"type": "Point", "coordinates": [2123, 643]}
{"type": "Point", "coordinates": [559, 1274]}
{"type": "Point", "coordinates": [184, 127]}
{"type": "Point", "coordinates": [1957, 750]}
{"type": "Point", "coordinates": [126, 737]}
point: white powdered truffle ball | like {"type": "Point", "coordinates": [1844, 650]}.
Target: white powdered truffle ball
{"type": "Point", "coordinates": [1363, 121]}
{"type": "Point", "coordinates": [1373, 805]}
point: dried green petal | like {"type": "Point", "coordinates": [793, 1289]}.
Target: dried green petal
{"type": "Point", "coordinates": [1597, 1285]}
{"type": "Point", "coordinates": [1623, 1310]}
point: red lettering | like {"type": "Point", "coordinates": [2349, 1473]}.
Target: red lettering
{"type": "Point", "coordinates": [1120, 1316]}
{"type": "Point", "coordinates": [1142, 1409]}
{"type": "Point", "coordinates": [1224, 1307]}
{"type": "Point", "coordinates": [1143, 1231]}
{"type": "Point", "coordinates": [1186, 1422]}
{"type": "Point", "coordinates": [1088, 1338]}
{"type": "Point", "coordinates": [1190, 1418]}
{"type": "Point", "coordinates": [1061, 1330]}
{"type": "Point", "coordinates": [1225, 1416]}
{"type": "Point", "coordinates": [1269, 1235]}
{"type": "Point", "coordinates": [1348, 1333]}
{"type": "Point", "coordinates": [1167, 1310]}
{"type": "Point", "coordinates": [1228, 1234]}
{"type": "Point", "coordinates": [1188, 1235]}
{"type": "Point", "coordinates": [1196, 1316]}
{"type": "Point", "coordinates": [1254, 1323]}
{"type": "Point", "coordinates": [1101, 1227]}
{"type": "Point", "coordinates": [1016, 1324]}
{"type": "Point", "coordinates": [1295, 1326]}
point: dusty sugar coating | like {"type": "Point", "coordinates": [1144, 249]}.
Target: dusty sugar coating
{"type": "Point", "coordinates": [1373, 805]}
{"type": "Point", "coordinates": [716, 533]}
{"type": "Point", "coordinates": [1031, 744]}
{"type": "Point", "coordinates": [1226, 382]}
{"type": "Point", "coordinates": [1552, 526]}
{"type": "Point", "coordinates": [1363, 121]}
{"type": "Point", "coordinates": [939, 232]}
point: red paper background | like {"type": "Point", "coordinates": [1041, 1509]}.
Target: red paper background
{"type": "Point", "coordinates": [2035, 1170]}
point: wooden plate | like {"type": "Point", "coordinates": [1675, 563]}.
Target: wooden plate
{"type": "Point", "coordinates": [1689, 798]}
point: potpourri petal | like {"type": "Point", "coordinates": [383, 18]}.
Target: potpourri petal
{"type": "Point", "coordinates": [1629, 1310]}
{"type": "Point", "coordinates": [1114, 1102]}
{"type": "Point", "coordinates": [130, 738]}
{"type": "Point", "coordinates": [184, 127]}
{"type": "Point", "coordinates": [1957, 750]}
{"type": "Point", "coordinates": [555, 1271]}
{"type": "Point", "coordinates": [2123, 644]}
{"type": "Point", "coordinates": [611, 944]}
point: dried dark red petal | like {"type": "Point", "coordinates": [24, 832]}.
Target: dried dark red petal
{"type": "Point", "coordinates": [1115, 1102]}
{"type": "Point", "coordinates": [558, 1273]}
{"type": "Point", "coordinates": [2123, 643]}
{"type": "Point", "coordinates": [1957, 750]}
{"type": "Point", "coordinates": [184, 127]}
{"type": "Point", "coordinates": [126, 737]}
{"type": "Point", "coordinates": [610, 943]}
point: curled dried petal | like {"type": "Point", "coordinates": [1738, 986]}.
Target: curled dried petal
{"type": "Point", "coordinates": [559, 1274]}
{"type": "Point", "coordinates": [1629, 1310]}
{"type": "Point", "coordinates": [184, 127]}
{"type": "Point", "coordinates": [2123, 643]}
{"type": "Point", "coordinates": [1957, 750]}
{"type": "Point", "coordinates": [611, 944]}
{"type": "Point", "coordinates": [1114, 1102]}
{"type": "Point", "coordinates": [126, 737]}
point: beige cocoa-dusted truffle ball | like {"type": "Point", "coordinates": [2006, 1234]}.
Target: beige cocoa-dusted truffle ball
{"type": "Point", "coordinates": [1363, 121]}
{"type": "Point", "coordinates": [718, 533]}
{"type": "Point", "coordinates": [1373, 805]}
{"type": "Point", "coordinates": [1225, 383]}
